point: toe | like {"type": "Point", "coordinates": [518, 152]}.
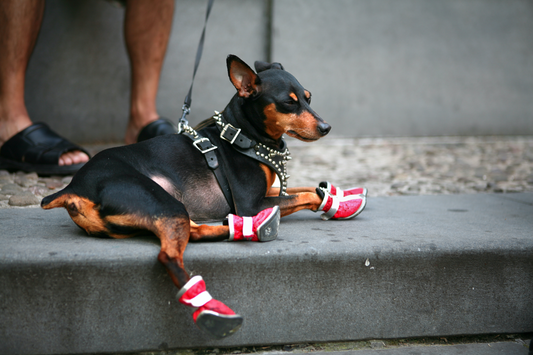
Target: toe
{"type": "Point", "coordinates": [75, 157]}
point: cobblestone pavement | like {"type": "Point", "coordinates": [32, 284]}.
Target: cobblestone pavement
{"type": "Point", "coordinates": [386, 166]}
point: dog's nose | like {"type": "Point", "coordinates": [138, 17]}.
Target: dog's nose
{"type": "Point", "coordinates": [323, 128]}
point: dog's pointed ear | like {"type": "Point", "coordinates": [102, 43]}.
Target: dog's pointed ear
{"type": "Point", "coordinates": [262, 66]}
{"type": "Point", "coordinates": [243, 77]}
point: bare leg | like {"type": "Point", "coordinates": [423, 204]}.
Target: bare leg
{"type": "Point", "coordinates": [146, 30]}
{"type": "Point", "coordinates": [20, 21]}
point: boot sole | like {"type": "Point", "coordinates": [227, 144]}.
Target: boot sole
{"type": "Point", "coordinates": [218, 325]}
{"type": "Point", "coordinates": [268, 230]}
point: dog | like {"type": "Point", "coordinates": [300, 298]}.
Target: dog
{"type": "Point", "coordinates": [223, 170]}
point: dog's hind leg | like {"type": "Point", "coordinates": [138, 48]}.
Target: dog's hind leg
{"type": "Point", "coordinates": [133, 203]}
{"type": "Point", "coordinates": [157, 211]}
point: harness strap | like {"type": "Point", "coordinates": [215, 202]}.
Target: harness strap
{"type": "Point", "coordinates": [275, 159]}
{"type": "Point", "coordinates": [233, 135]}
{"type": "Point", "coordinates": [208, 149]}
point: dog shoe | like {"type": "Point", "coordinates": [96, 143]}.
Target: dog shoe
{"type": "Point", "coordinates": [211, 316]}
{"type": "Point", "coordinates": [346, 207]}
{"type": "Point", "coordinates": [342, 193]}
{"type": "Point", "coordinates": [261, 228]}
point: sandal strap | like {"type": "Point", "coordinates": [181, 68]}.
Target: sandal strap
{"type": "Point", "coordinates": [37, 144]}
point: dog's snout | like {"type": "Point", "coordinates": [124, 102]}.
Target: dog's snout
{"type": "Point", "coordinates": [323, 128]}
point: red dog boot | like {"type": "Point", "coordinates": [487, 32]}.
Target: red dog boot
{"type": "Point", "coordinates": [336, 191]}
{"type": "Point", "coordinates": [212, 316]}
{"type": "Point", "coordinates": [335, 207]}
{"type": "Point", "coordinates": [261, 228]}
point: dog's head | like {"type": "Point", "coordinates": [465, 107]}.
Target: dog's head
{"type": "Point", "coordinates": [281, 100]}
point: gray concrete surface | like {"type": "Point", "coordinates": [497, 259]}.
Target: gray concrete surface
{"type": "Point", "coordinates": [437, 266]}
{"type": "Point", "coordinates": [412, 67]}
{"type": "Point", "coordinates": [507, 348]}
{"type": "Point", "coordinates": [376, 68]}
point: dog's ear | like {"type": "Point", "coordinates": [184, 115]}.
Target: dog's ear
{"type": "Point", "coordinates": [262, 66]}
{"type": "Point", "coordinates": [243, 77]}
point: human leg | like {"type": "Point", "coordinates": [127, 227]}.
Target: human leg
{"type": "Point", "coordinates": [147, 30]}
{"type": "Point", "coordinates": [20, 21]}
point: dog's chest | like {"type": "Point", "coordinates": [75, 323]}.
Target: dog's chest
{"type": "Point", "coordinates": [202, 197]}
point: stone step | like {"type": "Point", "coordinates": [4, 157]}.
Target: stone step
{"type": "Point", "coordinates": [408, 266]}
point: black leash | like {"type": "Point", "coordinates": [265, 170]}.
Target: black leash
{"type": "Point", "coordinates": [201, 143]}
{"type": "Point", "coordinates": [188, 99]}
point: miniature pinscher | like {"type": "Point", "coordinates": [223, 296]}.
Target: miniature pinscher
{"type": "Point", "coordinates": [223, 170]}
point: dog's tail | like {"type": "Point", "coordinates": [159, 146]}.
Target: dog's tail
{"type": "Point", "coordinates": [58, 199]}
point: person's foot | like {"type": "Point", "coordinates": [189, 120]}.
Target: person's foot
{"type": "Point", "coordinates": [135, 125]}
{"type": "Point", "coordinates": [9, 129]}
{"type": "Point", "coordinates": [71, 158]}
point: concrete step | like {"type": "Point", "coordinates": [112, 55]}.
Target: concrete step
{"type": "Point", "coordinates": [501, 348]}
{"type": "Point", "coordinates": [408, 266]}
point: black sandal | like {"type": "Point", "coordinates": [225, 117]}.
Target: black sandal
{"type": "Point", "coordinates": [38, 149]}
{"type": "Point", "coordinates": [159, 127]}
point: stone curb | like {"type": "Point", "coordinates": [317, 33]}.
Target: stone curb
{"type": "Point", "coordinates": [409, 266]}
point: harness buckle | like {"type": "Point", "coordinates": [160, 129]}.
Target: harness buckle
{"type": "Point", "coordinates": [202, 147]}
{"type": "Point", "coordinates": [230, 133]}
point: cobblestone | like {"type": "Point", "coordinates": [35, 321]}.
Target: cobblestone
{"type": "Point", "coordinates": [418, 166]}
{"type": "Point", "coordinates": [386, 166]}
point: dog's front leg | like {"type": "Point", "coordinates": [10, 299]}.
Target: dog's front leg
{"type": "Point", "coordinates": [274, 191]}
{"type": "Point", "coordinates": [298, 199]}
{"type": "Point", "coordinates": [317, 200]}
{"type": "Point", "coordinates": [262, 227]}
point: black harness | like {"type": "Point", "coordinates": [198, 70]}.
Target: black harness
{"type": "Point", "coordinates": [273, 158]}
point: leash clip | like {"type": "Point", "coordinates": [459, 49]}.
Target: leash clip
{"type": "Point", "coordinates": [183, 123]}
{"type": "Point", "coordinates": [230, 133]}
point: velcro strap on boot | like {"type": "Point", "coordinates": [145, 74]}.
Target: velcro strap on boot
{"type": "Point", "coordinates": [247, 227]}
{"type": "Point", "coordinates": [335, 202]}
{"type": "Point", "coordinates": [231, 226]}
{"type": "Point", "coordinates": [194, 294]}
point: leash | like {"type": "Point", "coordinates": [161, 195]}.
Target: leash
{"type": "Point", "coordinates": [201, 143]}
{"type": "Point", "coordinates": [188, 99]}
{"type": "Point", "coordinates": [276, 160]}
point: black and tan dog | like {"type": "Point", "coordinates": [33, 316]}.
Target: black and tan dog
{"type": "Point", "coordinates": [223, 171]}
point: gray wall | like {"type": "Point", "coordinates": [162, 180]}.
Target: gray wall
{"type": "Point", "coordinates": [375, 67]}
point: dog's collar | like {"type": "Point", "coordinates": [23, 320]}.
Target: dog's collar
{"type": "Point", "coordinates": [274, 158]}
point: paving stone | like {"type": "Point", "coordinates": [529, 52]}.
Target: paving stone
{"type": "Point", "coordinates": [24, 198]}
{"type": "Point", "coordinates": [54, 184]}
{"type": "Point", "coordinates": [5, 180]}
{"type": "Point", "coordinates": [386, 166]}
{"type": "Point", "coordinates": [11, 189]}
{"type": "Point", "coordinates": [26, 180]}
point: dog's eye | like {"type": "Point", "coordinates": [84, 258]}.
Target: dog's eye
{"type": "Point", "coordinates": [308, 99]}
{"type": "Point", "coordinates": [291, 102]}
